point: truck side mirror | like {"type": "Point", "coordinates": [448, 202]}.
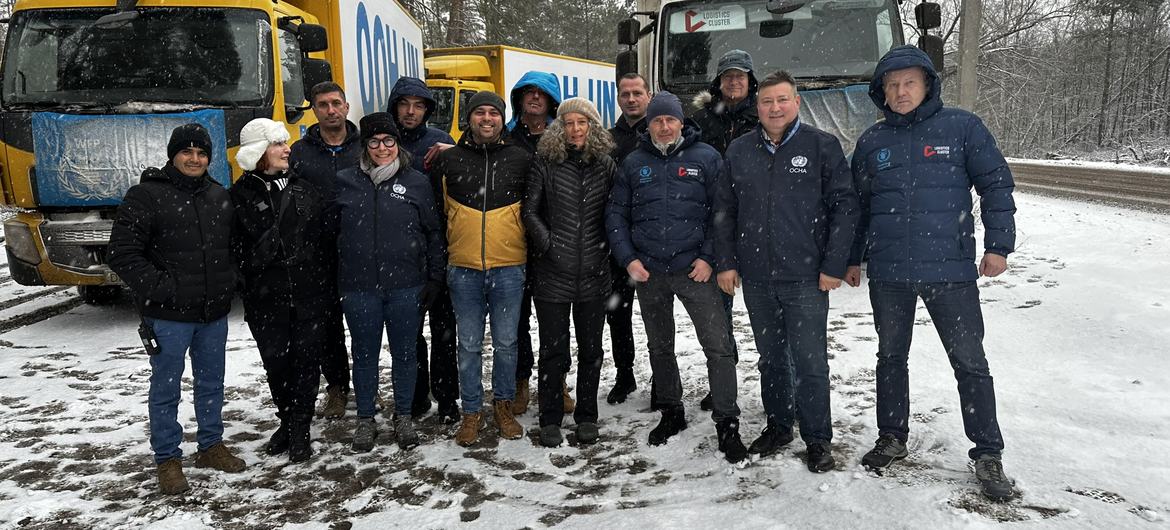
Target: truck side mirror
{"type": "Point", "coordinates": [628, 31]}
{"type": "Point", "coordinates": [627, 63]}
{"type": "Point", "coordinates": [933, 46]}
{"type": "Point", "coordinates": [315, 71]}
{"type": "Point", "coordinates": [779, 7]}
{"type": "Point", "coordinates": [774, 29]}
{"type": "Point", "coordinates": [312, 37]}
{"type": "Point", "coordinates": [927, 15]}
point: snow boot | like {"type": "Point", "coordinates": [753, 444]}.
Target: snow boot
{"type": "Point", "coordinates": [993, 483]}
{"type": "Point", "coordinates": [336, 399]}
{"type": "Point", "coordinates": [170, 477]}
{"type": "Point", "coordinates": [404, 431]}
{"type": "Point", "coordinates": [550, 436]}
{"type": "Point", "coordinates": [523, 396]}
{"type": "Point", "coordinates": [300, 446]}
{"type": "Point", "coordinates": [278, 443]}
{"type": "Point", "coordinates": [820, 457]}
{"type": "Point", "coordinates": [364, 435]}
{"type": "Point", "coordinates": [727, 431]}
{"type": "Point", "coordinates": [509, 428]}
{"type": "Point", "coordinates": [622, 387]}
{"type": "Point", "coordinates": [771, 440]}
{"type": "Point", "coordinates": [587, 433]}
{"type": "Point", "coordinates": [887, 449]}
{"type": "Point", "coordinates": [220, 457]}
{"type": "Point", "coordinates": [468, 432]}
{"type": "Point", "coordinates": [674, 421]}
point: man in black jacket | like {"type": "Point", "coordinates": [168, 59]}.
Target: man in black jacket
{"type": "Point", "coordinates": [171, 244]}
{"type": "Point", "coordinates": [328, 147]}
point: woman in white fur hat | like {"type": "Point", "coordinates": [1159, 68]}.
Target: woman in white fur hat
{"type": "Point", "coordinates": [564, 215]}
{"type": "Point", "coordinates": [280, 243]}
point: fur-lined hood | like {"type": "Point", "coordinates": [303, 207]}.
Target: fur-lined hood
{"type": "Point", "coordinates": [707, 100]}
{"type": "Point", "coordinates": [554, 148]}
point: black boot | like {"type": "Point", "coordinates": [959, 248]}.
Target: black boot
{"type": "Point", "coordinates": [673, 422]}
{"type": "Point", "coordinates": [299, 446]}
{"type": "Point", "coordinates": [729, 443]}
{"type": "Point", "coordinates": [278, 443]}
{"type": "Point", "coordinates": [622, 386]}
{"type": "Point", "coordinates": [771, 440]}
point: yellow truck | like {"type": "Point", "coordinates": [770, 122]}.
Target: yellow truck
{"type": "Point", "coordinates": [455, 74]}
{"type": "Point", "coordinates": [92, 88]}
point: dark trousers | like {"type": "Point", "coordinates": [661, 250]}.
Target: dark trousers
{"type": "Point", "coordinates": [525, 360]}
{"type": "Point", "coordinates": [789, 321]}
{"type": "Point", "coordinates": [728, 304]}
{"type": "Point", "coordinates": [441, 378]}
{"type": "Point", "coordinates": [702, 302]}
{"type": "Point", "coordinates": [588, 320]}
{"type": "Point", "coordinates": [620, 315]}
{"type": "Point", "coordinates": [954, 308]}
{"type": "Point", "coordinates": [334, 357]}
{"type": "Point", "coordinates": [289, 350]}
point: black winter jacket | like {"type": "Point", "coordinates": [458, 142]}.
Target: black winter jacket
{"type": "Point", "coordinates": [625, 138]}
{"type": "Point", "coordinates": [284, 265]}
{"type": "Point", "coordinates": [171, 244]}
{"type": "Point", "coordinates": [720, 124]}
{"type": "Point", "coordinates": [318, 162]}
{"type": "Point", "coordinates": [564, 214]}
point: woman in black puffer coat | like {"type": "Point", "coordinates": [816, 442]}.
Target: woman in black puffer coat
{"type": "Point", "coordinates": [564, 215]}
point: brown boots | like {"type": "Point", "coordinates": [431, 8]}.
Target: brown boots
{"type": "Point", "coordinates": [524, 395]}
{"type": "Point", "coordinates": [468, 432]}
{"type": "Point", "coordinates": [170, 477]}
{"type": "Point", "coordinates": [221, 458]}
{"type": "Point", "coordinates": [510, 429]}
{"type": "Point", "coordinates": [335, 402]}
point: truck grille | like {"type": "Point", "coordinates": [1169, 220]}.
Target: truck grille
{"type": "Point", "coordinates": [97, 233]}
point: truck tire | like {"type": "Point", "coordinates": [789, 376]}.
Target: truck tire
{"type": "Point", "coordinates": [99, 294]}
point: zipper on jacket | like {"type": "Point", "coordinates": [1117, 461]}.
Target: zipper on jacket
{"type": "Point", "coordinates": [488, 181]}
{"type": "Point", "coordinates": [280, 240]}
{"type": "Point", "coordinates": [581, 229]}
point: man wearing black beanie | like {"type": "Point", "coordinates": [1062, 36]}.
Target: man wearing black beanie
{"type": "Point", "coordinates": [171, 245]}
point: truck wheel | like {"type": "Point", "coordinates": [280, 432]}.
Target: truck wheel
{"type": "Point", "coordinates": [99, 294]}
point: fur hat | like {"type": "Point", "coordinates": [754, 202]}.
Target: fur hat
{"type": "Point", "coordinates": [255, 138]}
{"type": "Point", "coordinates": [378, 123]}
{"type": "Point", "coordinates": [188, 135]}
{"type": "Point", "coordinates": [664, 103]}
{"type": "Point", "coordinates": [580, 106]}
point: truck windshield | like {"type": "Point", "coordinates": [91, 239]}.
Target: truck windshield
{"type": "Point", "coordinates": [817, 39]}
{"type": "Point", "coordinates": [58, 57]}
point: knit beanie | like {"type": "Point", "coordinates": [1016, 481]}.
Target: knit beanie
{"type": "Point", "coordinates": [580, 106]}
{"type": "Point", "coordinates": [481, 98]}
{"type": "Point", "coordinates": [255, 138]}
{"type": "Point", "coordinates": [664, 104]}
{"type": "Point", "coordinates": [378, 123]}
{"type": "Point", "coordinates": [188, 135]}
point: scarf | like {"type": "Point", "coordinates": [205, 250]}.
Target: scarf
{"type": "Point", "coordinates": [381, 173]}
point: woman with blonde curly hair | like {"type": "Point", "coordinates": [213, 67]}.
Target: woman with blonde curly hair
{"type": "Point", "coordinates": [564, 214]}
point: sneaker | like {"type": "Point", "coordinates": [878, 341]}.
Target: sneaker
{"type": "Point", "coordinates": [220, 457]}
{"type": "Point", "coordinates": [404, 431]}
{"type": "Point", "coordinates": [885, 451]}
{"type": "Point", "coordinates": [170, 477]}
{"type": "Point", "coordinates": [364, 434]}
{"type": "Point", "coordinates": [569, 404]}
{"type": "Point", "coordinates": [468, 432]}
{"type": "Point", "coordinates": [523, 396]}
{"type": "Point", "coordinates": [727, 431]}
{"type": "Point", "coordinates": [820, 457]}
{"type": "Point", "coordinates": [622, 387]}
{"type": "Point", "coordinates": [550, 436]}
{"type": "Point", "coordinates": [771, 440]}
{"type": "Point", "coordinates": [509, 428]}
{"type": "Point", "coordinates": [336, 400]}
{"type": "Point", "coordinates": [994, 484]}
{"type": "Point", "coordinates": [300, 446]}
{"type": "Point", "coordinates": [708, 403]}
{"type": "Point", "coordinates": [278, 443]}
{"type": "Point", "coordinates": [587, 433]}
{"type": "Point", "coordinates": [673, 421]}
{"type": "Point", "coordinates": [448, 413]}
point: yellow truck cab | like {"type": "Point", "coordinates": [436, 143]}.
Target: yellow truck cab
{"type": "Point", "coordinates": [91, 90]}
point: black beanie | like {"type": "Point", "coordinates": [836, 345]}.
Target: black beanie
{"type": "Point", "coordinates": [485, 97]}
{"type": "Point", "coordinates": [189, 135]}
{"type": "Point", "coordinates": [378, 123]}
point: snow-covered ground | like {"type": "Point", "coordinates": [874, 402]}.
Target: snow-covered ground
{"type": "Point", "coordinates": [1078, 339]}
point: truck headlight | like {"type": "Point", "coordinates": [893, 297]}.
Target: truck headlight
{"type": "Point", "coordinates": [19, 238]}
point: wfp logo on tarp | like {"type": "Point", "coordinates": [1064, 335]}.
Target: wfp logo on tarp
{"type": "Point", "coordinates": [382, 57]}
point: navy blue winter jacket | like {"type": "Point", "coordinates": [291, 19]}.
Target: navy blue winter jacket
{"type": "Point", "coordinates": [390, 237]}
{"type": "Point", "coordinates": [418, 140]}
{"type": "Point", "coordinates": [662, 209]}
{"type": "Point", "coordinates": [791, 215]}
{"type": "Point", "coordinates": [914, 174]}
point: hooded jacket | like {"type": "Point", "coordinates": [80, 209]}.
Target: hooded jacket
{"type": "Point", "coordinates": [914, 174]}
{"type": "Point", "coordinates": [548, 84]}
{"type": "Point", "coordinates": [318, 162]}
{"type": "Point", "coordinates": [721, 123]}
{"type": "Point", "coordinates": [171, 244]}
{"type": "Point", "coordinates": [663, 209]}
{"type": "Point", "coordinates": [419, 139]}
{"type": "Point", "coordinates": [481, 188]}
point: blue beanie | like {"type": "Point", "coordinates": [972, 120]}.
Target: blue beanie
{"type": "Point", "coordinates": [664, 104]}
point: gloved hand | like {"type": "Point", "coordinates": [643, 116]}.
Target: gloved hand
{"type": "Point", "coordinates": [428, 295]}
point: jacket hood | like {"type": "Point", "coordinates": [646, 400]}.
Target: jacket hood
{"type": "Point", "coordinates": [546, 82]}
{"type": "Point", "coordinates": [906, 56]}
{"type": "Point", "coordinates": [411, 86]}
{"type": "Point", "coordinates": [690, 135]}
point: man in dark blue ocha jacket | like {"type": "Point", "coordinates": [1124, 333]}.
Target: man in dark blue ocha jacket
{"type": "Point", "coordinates": [411, 103]}
{"type": "Point", "coordinates": [914, 172]}
{"type": "Point", "coordinates": [792, 212]}
{"type": "Point", "coordinates": [663, 218]}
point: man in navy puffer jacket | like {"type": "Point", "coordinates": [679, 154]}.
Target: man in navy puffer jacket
{"type": "Point", "coordinates": [663, 219]}
{"type": "Point", "coordinates": [914, 172]}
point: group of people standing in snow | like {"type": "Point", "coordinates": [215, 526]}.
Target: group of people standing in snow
{"type": "Point", "coordinates": [392, 221]}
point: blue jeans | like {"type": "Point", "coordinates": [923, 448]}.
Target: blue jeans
{"type": "Point", "coordinates": [954, 308]}
{"type": "Point", "coordinates": [789, 321]}
{"type": "Point", "coordinates": [474, 295]}
{"type": "Point", "coordinates": [207, 343]}
{"type": "Point", "coordinates": [368, 313]}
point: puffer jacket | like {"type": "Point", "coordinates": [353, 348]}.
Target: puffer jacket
{"type": "Point", "coordinates": [482, 187]}
{"type": "Point", "coordinates": [420, 139]}
{"type": "Point", "coordinates": [625, 137]}
{"type": "Point", "coordinates": [663, 209]}
{"type": "Point", "coordinates": [171, 244]}
{"type": "Point", "coordinates": [914, 173]}
{"type": "Point", "coordinates": [564, 213]}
